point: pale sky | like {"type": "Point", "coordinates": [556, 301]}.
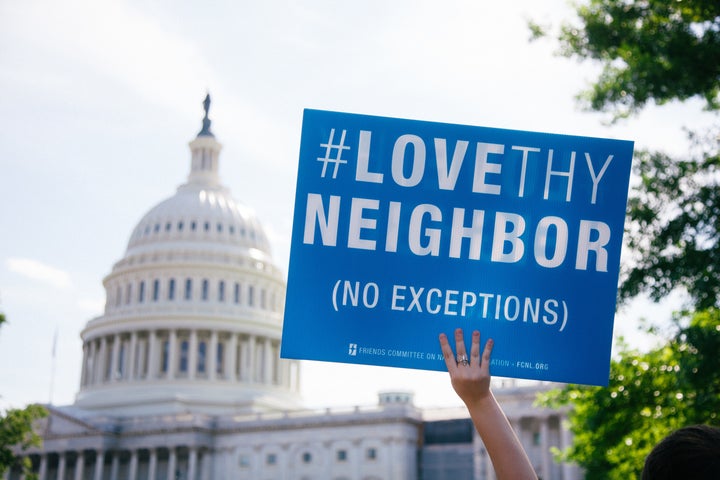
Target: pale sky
{"type": "Point", "coordinates": [99, 98]}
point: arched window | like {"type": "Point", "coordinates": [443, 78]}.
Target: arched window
{"type": "Point", "coordinates": [171, 289]}
{"type": "Point", "coordinates": [141, 292]}
{"type": "Point", "coordinates": [236, 293]}
{"type": "Point", "coordinates": [221, 291]}
{"type": "Point", "coordinates": [188, 289]}
{"type": "Point", "coordinates": [205, 289]}
{"type": "Point", "coordinates": [156, 290]}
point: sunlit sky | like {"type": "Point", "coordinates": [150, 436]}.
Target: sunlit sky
{"type": "Point", "coordinates": [98, 100]}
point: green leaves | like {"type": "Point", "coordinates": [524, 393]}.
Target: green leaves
{"type": "Point", "coordinates": [649, 50]}
{"type": "Point", "coordinates": [648, 396]}
{"type": "Point", "coordinates": [16, 431]}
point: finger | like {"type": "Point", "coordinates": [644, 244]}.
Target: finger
{"type": "Point", "coordinates": [459, 343]}
{"type": "Point", "coordinates": [475, 349]}
{"type": "Point", "coordinates": [487, 351]}
{"type": "Point", "coordinates": [448, 354]}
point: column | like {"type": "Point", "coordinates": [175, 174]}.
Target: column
{"type": "Point", "coordinates": [115, 466]}
{"type": "Point", "coordinates": [114, 359]}
{"type": "Point", "coordinates": [152, 467]}
{"type": "Point", "coordinates": [192, 463]}
{"type": "Point", "coordinates": [92, 363]}
{"type": "Point", "coordinates": [268, 362]}
{"type": "Point", "coordinates": [131, 356]}
{"type": "Point", "coordinates": [132, 473]}
{"type": "Point", "coordinates": [172, 353]}
{"type": "Point", "coordinates": [193, 355]}
{"type": "Point", "coordinates": [231, 357]}
{"type": "Point", "coordinates": [544, 449]}
{"type": "Point", "coordinates": [61, 466]}
{"type": "Point", "coordinates": [152, 366]}
{"type": "Point", "coordinates": [212, 355]}
{"type": "Point", "coordinates": [42, 469]}
{"type": "Point", "coordinates": [565, 441]}
{"type": "Point", "coordinates": [100, 369]}
{"type": "Point", "coordinates": [205, 465]}
{"type": "Point", "coordinates": [172, 463]}
{"type": "Point", "coordinates": [79, 465]}
{"type": "Point", "coordinates": [99, 464]}
{"type": "Point", "coordinates": [249, 355]}
{"type": "Point", "coordinates": [86, 357]}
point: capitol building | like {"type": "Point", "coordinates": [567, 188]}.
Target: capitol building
{"type": "Point", "coordinates": [182, 377]}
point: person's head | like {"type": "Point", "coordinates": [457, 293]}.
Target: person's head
{"type": "Point", "coordinates": [691, 453]}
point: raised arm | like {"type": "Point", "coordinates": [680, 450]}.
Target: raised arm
{"type": "Point", "coordinates": [470, 377]}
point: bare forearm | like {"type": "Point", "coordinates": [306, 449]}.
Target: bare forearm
{"type": "Point", "coordinates": [505, 450]}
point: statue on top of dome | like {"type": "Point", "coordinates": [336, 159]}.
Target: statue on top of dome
{"type": "Point", "coordinates": [206, 121]}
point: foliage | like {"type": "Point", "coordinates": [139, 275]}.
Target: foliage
{"type": "Point", "coordinates": [648, 396]}
{"type": "Point", "coordinates": [658, 50]}
{"type": "Point", "coordinates": [649, 50]}
{"type": "Point", "coordinates": [674, 227]}
{"type": "Point", "coordinates": [16, 431]}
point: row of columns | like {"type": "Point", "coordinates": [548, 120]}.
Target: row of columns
{"type": "Point", "coordinates": [198, 466]}
{"type": "Point", "coordinates": [153, 355]}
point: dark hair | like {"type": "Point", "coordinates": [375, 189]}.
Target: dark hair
{"type": "Point", "coordinates": [691, 453]}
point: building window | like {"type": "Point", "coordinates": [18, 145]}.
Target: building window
{"type": "Point", "coordinates": [251, 294]}
{"type": "Point", "coordinates": [232, 229]}
{"type": "Point", "coordinates": [244, 461]}
{"type": "Point", "coordinates": [536, 439]}
{"type": "Point", "coordinates": [205, 289]}
{"type": "Point", "coordinates": [371, 454]}
{"type": "Point", "coordinates": [188, 289]}
{"type": "Point", "coordinates": [156, 290]}
{"type": "Point", "coordinates": [171, 289]}
{"type": "Point", "coordinates": [157, 228]}
{"type": "Point", "coordinates": [118, 296]}
{"type": "Point", "coordinates": [219, 358]}
{"type": "Point", "coordinates": [307, 457]}
{"type": "Point", "coordinates": [263, 295]}
{"type": "Point", "coordinates": [141, 292]}
{"type": "Point", "coordinates": [202, 350]}
{"type": "Point", "coordinates": [184, 350]}
{"type": "Point", "coordinates": [206, 227]}
{"type": "Point", "coordinates": [271, 459]}
{"type": "Point", "coordinates": [193, 225]}
{"type": "Point", "coordinates": [219, 227]}
{"type": "Point", "coordinates": [128, 293]}
{"type": "Point", "coordinates": [221, 291]}
{"type": "Point", "coordinates": [165, 356]}
{"type": "Point", "coordinates": [168, 226]}
{"type": "Point", "coordinates": [180, 226]}
{"type": "Point", "coordinates": [341, 455]}
{"type": "Point", "coordinates": [236, 293]}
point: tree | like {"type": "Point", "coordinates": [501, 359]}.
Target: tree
{"type": "Point", "coordinates": [649, 395]}
{"type": "Point", "coordinates": [649, 50]}
{"type": "Point", "coordinates": [660, 51]}
{"type": "Point", "coordinates": [16, 431]}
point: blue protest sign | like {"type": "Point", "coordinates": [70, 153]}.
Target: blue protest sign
{"type": "Point", "coordinates": [404, 229]}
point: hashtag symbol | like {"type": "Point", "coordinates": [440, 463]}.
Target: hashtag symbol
{"type": "Point", "coordinates": [329, 147]}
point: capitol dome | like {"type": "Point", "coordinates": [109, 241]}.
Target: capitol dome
{"type": "Point", "coordinates": [193, 313]}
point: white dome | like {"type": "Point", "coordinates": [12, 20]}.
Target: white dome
{"type": "Point", "coordinates": [193, 312]}
{"type": "Point", "coordinates": [199, 214]}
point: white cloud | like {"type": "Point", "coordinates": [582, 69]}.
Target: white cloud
{"type": "Point", "coordinates": [39, 271]}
